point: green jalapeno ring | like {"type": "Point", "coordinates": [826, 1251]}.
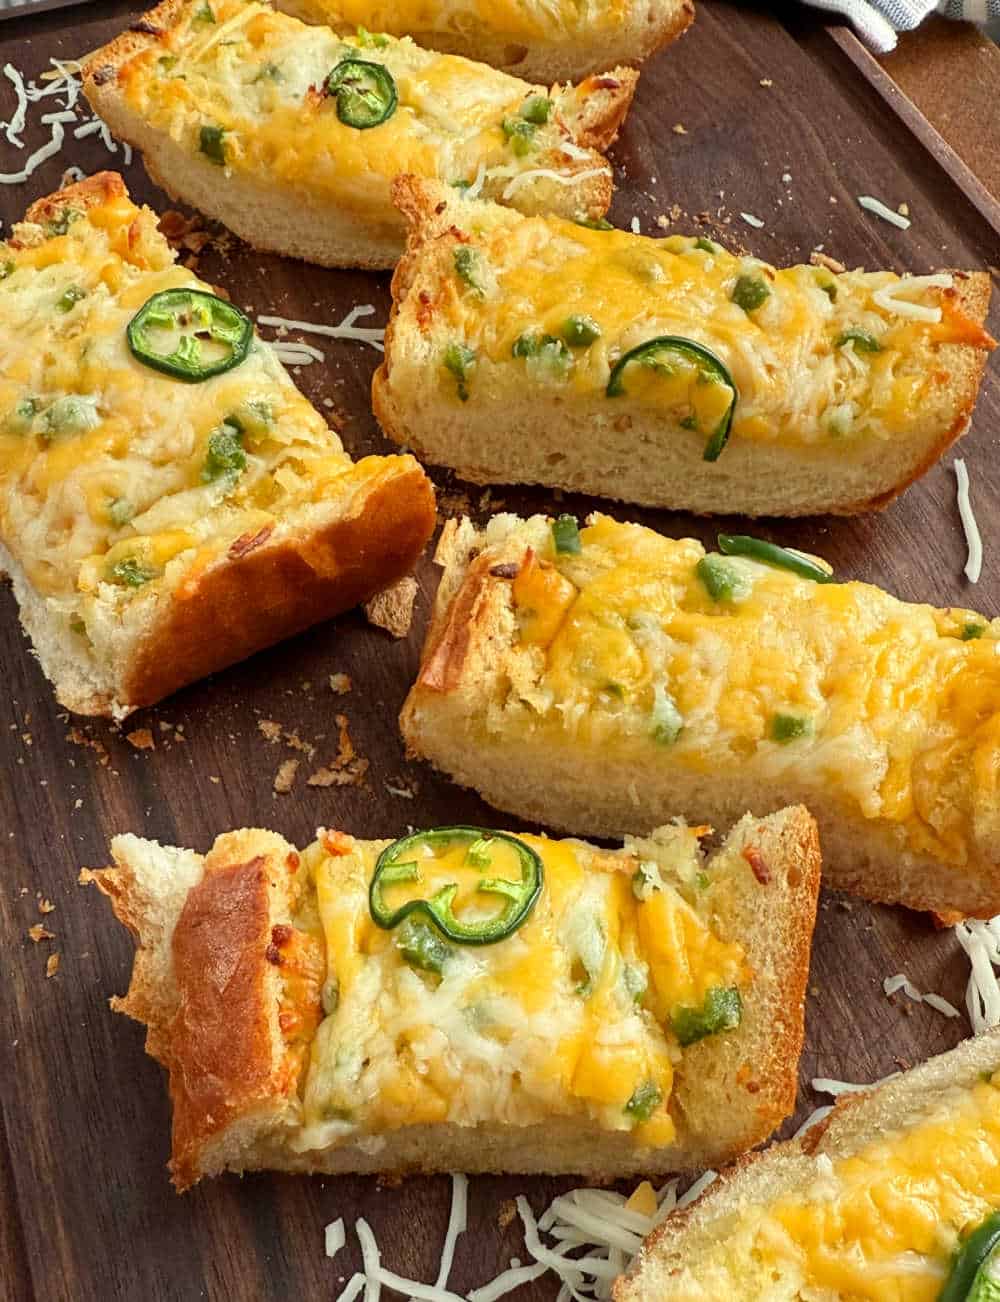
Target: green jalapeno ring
{"type": "Point", "coordinates": [392, 867]}
{"type": "Point", "coordinates": [709, 363]}
{"type": "Point", "coordinates": [970, 1259]}
{"type": "Point", "coordinates": [206, 314]}
{"type": "Point", "coordinates": [365, 93]}
{"type": "Point", "coordinates": [782, 558]}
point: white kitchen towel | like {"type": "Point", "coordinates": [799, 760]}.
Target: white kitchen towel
{"type": "Point", "coordinates": [878, 21]}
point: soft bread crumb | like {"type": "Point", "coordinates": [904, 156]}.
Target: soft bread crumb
{"type": "Point", "coordinates": [392, 609]}
{"type": "Point", "coordinates": [284, 779]}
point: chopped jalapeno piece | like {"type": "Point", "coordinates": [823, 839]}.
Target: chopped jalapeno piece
{"type": "Point", "coordinates": [656, 353]}
{"type": "Point", "coordinates": [829, 289]}
{"type": "Point", "coordinates": [782, 558]}
{"type": "Point", "coordinates": [374, 40]}
{"type": "Point", "coordinates": [787, 727]}
{"type": "Point", "coordinates": [566, 536]}
{"type": "Point", "coordinates": [19, 420]}
{"type": "Point", "coordinates": [77, 626]}
{"type": "Point", "coordinates": [120, 511]}
{"type": "Point", "coordinates": [70, 297]}
{"type": "Point", "coordinates": [520, 135]}
{"type": "Point", "coordinates": [226, 456]}
{"type": "Point", "coordinates": [750, 292]}
{"type": "Point", "coordinates": [970, 1261]}
{"type": "Point", "coordinates": [723, 581]}
{"type": "Point", "coordinates": [202, 335]}
{"type": "Point", "coordinates": [61, 224]}
{"type": "Point", "coordinates": [130, 572]}
{"type": "Point", "coordinates": [268, 72]}
{"type": "Point", "coordinates": [536, 109]}
{"type": "Point", "coordinates": [971, 631]}
{"type": "Point", "coordinates": [706, 246]}
{"type": "Point", "coordinates": [6, 268]}
{"type": "Point", "coordinates": [166, 62]}
{"type": "Point", "coordinates": [330, 995]}
{"type": "Point", "coordinates": [469, 267]}
{"type": "Point", "coordinates": [204, 14]}
{"type": "Point", "coordinates": [365, 93]}
{"type": "Point", "coordinates": [635, 979]}
{"type": "Point", "coordinates": [71, 414]}
{"type": "Point", "coordinates": [580, 330]}
{"type": "Point", "coordinates": [646, 1098]}
{"type": "Point", "coordinates": [668, 722]}
{"type": "Point", "coordinates": [722, 1010]}
{"type": "Point", "coordinates": [646, 881]}
{"type": "Point", "coordinates": [422, 947]}
{"type": "Point", "coordinates": [863, 340]}
{"type": "Point", "coordinates": [393, 867]}
{"type": "Point", "coordinates": [549, 353]}
{"type": "Point", "coordinates": [460, 360]}
{"type": "Point", "coordinates": [211, 142]}
{"type": "Point", "coordinates": [479, 853]}
{"type": "Point", "coordinates": [595, 223]}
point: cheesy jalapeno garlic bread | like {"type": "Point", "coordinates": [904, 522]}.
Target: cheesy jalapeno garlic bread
{"type": "Point", "coordinates": [169, 501]}
{"type": "Point", "coordinates": [469, 1000]}
{"type": "Point", "coordinates": [534, 38]}
{"type": "Point", "coordinates": [669, 372]}
{"type": "Point", "coordinates": [292, 135]}
{"type": "Point", "coordinates": [602, 679]}
{"type": "Point", "coordinates": [894, 1198]}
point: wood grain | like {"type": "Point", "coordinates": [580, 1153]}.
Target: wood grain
{"type": "Point", "coordinates": [85, 1208]}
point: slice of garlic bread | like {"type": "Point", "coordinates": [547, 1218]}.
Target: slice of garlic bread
{"type": "Point", "coordinates": [536, 39]}
{"type": "Point", "coordinates": [471, 1000]}
{"type": "Point", "coordinates": [292, 135]}
{"type": "Point", "coordinates": [880, 1201]}
{"type": "Point", "coordinates": [169, 501]}
{"type": "Point", "coordinates": [669, 372]}
{"type": "Point", "coordinates": [600, 680]}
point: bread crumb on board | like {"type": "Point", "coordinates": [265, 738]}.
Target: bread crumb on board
{"type": "Point", "coordinates": [284, 779]}
{"type": "Point", "coordinates": [45, 905]}
{"type": "Point", "coordinates": [392, 609]}
{"type": "Point", "coordinates": [348, 769]}
{"type": "Point", "coordinates": [141, 739]}
{"type": "Point", "coordinates": [340, 684]}
{"type": "Point", "coordinates": [38, 933]}
{"type": "Point", "coordinates": [80, 738]}
{"type": "Point", "coordinates": [52, 965]}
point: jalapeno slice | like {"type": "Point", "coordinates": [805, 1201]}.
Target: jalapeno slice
{"type": "Point", "coordinates": [189, 334]}
{"type": "Point", "coordinates": [710, 369]}
{"type": "Point", "coordinates": [365, 93]}
{"type": "Point", "coordinates": [738, 544]}
{"type": "Point", "coordinates": [394, 866]}
{"type": "Point", "coordinates": [972, 1256]}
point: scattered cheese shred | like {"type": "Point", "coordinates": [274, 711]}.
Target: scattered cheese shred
{"type": "Point", "coordinates": [13, 129]}
{"type": "Point", "coordinates": [973, 539]}
{"type": "Point", "coordinates": [354, 1286]}
{"type": "Point", "coordinates": [334, 1237]}
{"type": "Point", "coordinates": [880, 210]}
{"type": "Point", "coordinates": [374, 336]}
{"type": "Point", "coordinates": [981, 942]}
{"type": "Point", "coordinates": [753, 221]}
{"type": "Point", "coordinates": [457, 1219]}
{"type": "Point", "coordinates": [891, 985]}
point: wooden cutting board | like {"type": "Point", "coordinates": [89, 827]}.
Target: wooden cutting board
{"type": "Point", "coordinates": [787, 122]}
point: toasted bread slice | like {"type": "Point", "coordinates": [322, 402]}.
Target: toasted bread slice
{"type": "Point", "coordinates": [235, 116]}
{"type": "Point", "coordinates": [870, 1203]}
{"type": "Point", "coordinates": [156, 529]}
{"type": "Point", "coordinates": [834, 392]}
{"type": "Point", "coordinates": [625, 691]}
{"type": "Point", "coordinates": [542, 42]}
{"type": "Point", "coordinates": [299, 1036]}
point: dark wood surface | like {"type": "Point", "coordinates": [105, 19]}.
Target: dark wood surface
{"type": "Point", "coordinates": [85, 1208]}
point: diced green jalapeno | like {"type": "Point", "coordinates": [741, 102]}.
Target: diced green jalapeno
{"type": "Point", "coordinates": [120, 511]}
{"type": "Point", "coordinates": [204, 14]}
{"type": "Point", "coordinates": [580, 331]}
{"type": "Point", "coordinates": [595, 223]}
{"type": "Point", "coordinates": [6, 268]}
{"type": "Point", "coordinates": [60, 224]}
{"type": "Point", "coordinates": [750, 292]}
{"type": "Point", "coordinates": [971, 631]}
{"type": "Point", "coordinates": [211, 142]}
{"type": "Point", "coordinates": [71, 414]}
{"type": "Point", "coordinates": [71, 295]}
{"type": "Point", "coordinates": [566, 536]}
{"type": "Point", "coordinates": [422, 947]}
{"type": "Point", "coordinates": [131, 572]}
{"type": "Point", "coordinates": [722, 1010]}
{"type": "Point", "coordinates": [77, 626]}
{"type": "Point", "coordinates": [668, 722]}
{"type": "Point", "coordinates": [536, 109]}
{"type": "Point", "coordinates": [268, 72]}
{"type": "Point", "coordinates": [706, 246]}
{"type": "Point", "coordinates": [520, 135]}
{"type": "Point", "coordinates": [459, 361]}
{"type": "Point", "coordinates": [788, 727]}
{"type": "Point", "coordinates": [393, 866]}
{"type": "Point", "coordinates": [968, 1269]}
{"type": "Point", "coordinates": [372, 40]}
{"type": "Point", "coordinates": [710, 367]}
{"type": "Point", "coordinates": [646, 1098]}
{"type": "Point", "coordinates": [199, 317]}
{"type": "Point", "coordinates": [226, 456]}
{"type": "Point", "coordinates": [469, 268]}
{"type": "Point", "coordinates": [723, 580]}
{"type": "Point", "coordinates": [646, 881]}
{"type": "Point", "coordinates": [782, 558]}
{"type": "Point", "coordinates": [365, 93]}
{"type": "Point", "coordinates": [863, 340]}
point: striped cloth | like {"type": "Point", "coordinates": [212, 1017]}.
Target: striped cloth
{"type": "Point", "coordinates": [878, 21]}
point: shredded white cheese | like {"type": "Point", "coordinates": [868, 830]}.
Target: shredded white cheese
{"type": "Point", "coordinates": [534, 173]}
{"type": "Point", "coordinates": [374, 336]}
{"type": "Point", "coordinates": [13, 128]}
{"type": "Point", "coordinates": [753, 221]}
{"type": "Point", "coordinates": [476, 188]}
{"type": "Point", "coordinates": [507, 1282]}
{"type": "Point", "coordinates": [825, 1085]}
{"type": "Point", "coordinates": [371, 1259]}
{"type": "Point", "coordinates": [334, 1237]}
{"type": "Point", "coordinates": [877, 207]}
{"type": "Point", "coordinates": [813, 1119]}
{"type": "Point", "coordinates": [697, 1189]}
{"type": "Point", "coordinates": [354, 1286]}
{"type": "Point", "coordinates": [635, 226]}
{"type": "Point", "coordinates": [981, 942]}
{"type": "Point", "coordinates": [456, 1225]}
{"type": "Point", "coordinates": [891, 985]}
{"type": "Point", "coordinates": [973, 539]}
{"type": "Point", "coordinates": [892, 298]}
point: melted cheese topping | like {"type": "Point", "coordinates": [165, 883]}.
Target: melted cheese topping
{"type": "Point", "coordinates": [882, 1225]}
{"type": "Point", "coordinates": [535, 20]}
{"type": "Point", "coordinates": [103, 459]}
{"type": "Point", "coordinates": [892, 708]}
{"type": "Point", "coordinates": [567, 1017]}
{"type": "Point", "coordinates": [260, 77]}
{"type": "Point", "coordinates": [800, 375]}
